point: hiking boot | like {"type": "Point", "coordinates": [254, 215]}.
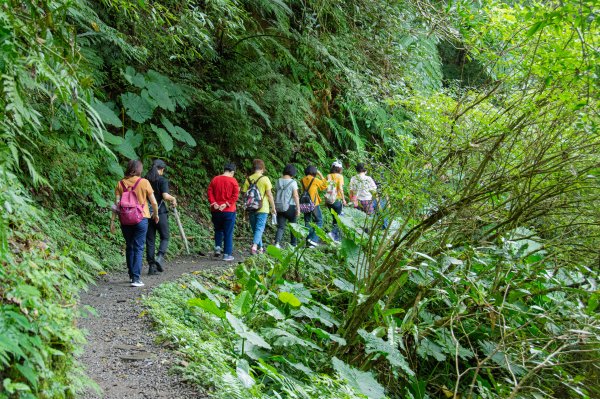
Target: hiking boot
{"type": "Point", "coordinates": [152, 269]}
{"type": "Point", "coordinates": [137, 283]}
{"type": "Point", "coordinates": [228, 258]}
{"type": "Point", "coordinates": [160, 260]}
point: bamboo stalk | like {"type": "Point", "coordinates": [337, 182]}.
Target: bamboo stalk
{"type": "Point", "coordinates": [181, 232]}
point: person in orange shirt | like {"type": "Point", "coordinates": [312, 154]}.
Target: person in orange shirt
{"type": "Point", "coordinates": [135, 234]}
{"type": "Point", "coordinates": [335, 200]}
{"type": "Point", "coordinates": [313, 184]}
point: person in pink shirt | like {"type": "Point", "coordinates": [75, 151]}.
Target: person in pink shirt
{"type": "Point", "coordinates": [223, 193]}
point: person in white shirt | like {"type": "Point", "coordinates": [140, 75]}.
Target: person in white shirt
{"type": "Point", "coordinates": [362, 190]}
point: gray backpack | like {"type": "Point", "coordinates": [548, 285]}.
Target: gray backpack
{"type": "Point", "coordinates": [282, 204]}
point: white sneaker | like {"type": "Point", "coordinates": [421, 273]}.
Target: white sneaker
{"type": "Point", "coordinates": [331, 235]}
{"type": "Point", "coordinates": [217, 252]}
{"type": "Point", "coordinates": [312, 244]}
{"type": "Point", "coordinates": [137, 283]}
{"type": "Point", "coordinates": [228, 258]}
{"type": "Point", "coordinates": [277, 245]}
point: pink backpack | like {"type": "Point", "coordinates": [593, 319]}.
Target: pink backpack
{"type": "Point", "coordinates": [131, 212]}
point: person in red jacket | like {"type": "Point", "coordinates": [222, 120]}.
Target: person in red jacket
{"type": "Point", "coordinates": [223, 193]}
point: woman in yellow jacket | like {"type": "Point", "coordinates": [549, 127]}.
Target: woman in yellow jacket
{"type": "Point", "coordinates": [313, 185]}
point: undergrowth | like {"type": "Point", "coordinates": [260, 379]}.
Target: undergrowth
{"type": "Point", "coordinates": [40, 278]}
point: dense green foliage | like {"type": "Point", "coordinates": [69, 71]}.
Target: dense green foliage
{"type": "Point", "coordinates": [485, 322]}
{"type": "Point", "coordinates": [480, 119]}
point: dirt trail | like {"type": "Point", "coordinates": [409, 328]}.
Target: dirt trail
{"type": "Point", "coordinates": [121, 354]}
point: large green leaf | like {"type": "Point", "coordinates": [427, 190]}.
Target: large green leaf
{"type": "Point", "coordinates": [285, 338]}
{"type": "Point", "coordinates": [298, 289]}
{"type": "Point", "coordinates": [137, 108]}
{"type": "Point", "coordinates": [317, 313]}
{"type": "Point", "coordinates": [111, 138]}
{"type": "Point", "coordinates": [327, 335]}
{"type": "Point", "coordinates": [159, 93]}
{"type": "Point", "coordinates": [246, 333]}
{"type": "Point", "coordinates": [126, 150]}
{"type": "Point", "coordinates": [163, 137]}
{"type": "Point", "coordinates": [136, 79]}
{"type": "Point", "coordinates": [289, 298]}
{"type": "Point", "coordinates": [365, 383]}
{"type": "Point", "coordinates": [106, 114]}
{"type": "Point", "coordinates": [133, 138]}
{"type": "Point", "coordinates": [207, 305]}
{"type": "Point", "coordinates": [374, 344]}
{"type": "Point", "coordinates": [196, 284]}
{"type": "Point", "coordinates": [178, 132]}
{"type": "Point", "coordinates": [242, 303]}
{"type": "Point", "coordinates": [243, 373]}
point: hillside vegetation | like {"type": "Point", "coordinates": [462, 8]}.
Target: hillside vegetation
{"type": "Point", "coordinates": [479, 119]}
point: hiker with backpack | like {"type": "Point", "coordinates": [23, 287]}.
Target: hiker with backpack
{"type": "Point", "coordinates": [223, 193]}
{"type": "Point", "coordinates": [258, 202]}
{"type": "Point", "coordinates": [131, 204]}
{"type": "Point", "coordinates": [310, 201]}
{"type": "Point", "coordinates": [334, 196]}
{"type": "Point", "coordinates": [160, 185]}
{"type": "Point", "coordinates": [287, 203]}
{"type": "Point", "coordinates": [362, 189]}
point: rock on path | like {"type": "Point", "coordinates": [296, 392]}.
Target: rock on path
{"type": "Point", "coordinates": [121, 355]}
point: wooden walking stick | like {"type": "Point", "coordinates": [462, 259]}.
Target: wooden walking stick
{"type": "Point", "coordinates": [181, 232]}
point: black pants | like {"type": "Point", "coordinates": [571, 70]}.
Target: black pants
{"type": "Point", "coordinates": [282, 219]}
{"type": "Point", "coordinates": [163, 231]}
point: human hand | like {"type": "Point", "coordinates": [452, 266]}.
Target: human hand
{"type": "Point", "coordinates": [174, 202]}
{"type": "Point", "coordinates": [222, 206]}
{"type": "Point", "coordinates": [156, 218]}
{"type": "Point", "coordinates": [214, 205]}
{"type": "Point", "coordinates": [112, 227]}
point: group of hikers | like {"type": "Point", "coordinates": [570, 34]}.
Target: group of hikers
{"type": "Point", "coordinates": [140, 204]}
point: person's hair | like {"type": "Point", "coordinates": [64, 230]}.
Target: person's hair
{"type": "Point", "coordinates": [134, 168]}
{"type": "Point", "coordinates": [289, 170]}
{"type": "Point", "coordinates": [153, 174]}
{"type": "Point", "coordinates": [335, 168]}
{"type": "Point", "coordinates": [229, 167]}
{"type": "Point", "coordinates": [258, 164]}
{"type": "Point", "coordinates": [310, 170]}
{"type": "Point", "coordinates": [360, 167]}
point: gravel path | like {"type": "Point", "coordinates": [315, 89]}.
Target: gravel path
{"type": "Point", "coordinates": [121, 355]}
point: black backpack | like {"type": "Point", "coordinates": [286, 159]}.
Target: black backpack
{"type": "Point", "coordinates": [307, 205]}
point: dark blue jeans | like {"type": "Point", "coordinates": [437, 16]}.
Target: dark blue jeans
{"type": "Point", "coordinates": [317, 218]}
{"type": "Point", "coordinates": [135, 238]}
{"type": "Point", "coordinates": [224, 223]}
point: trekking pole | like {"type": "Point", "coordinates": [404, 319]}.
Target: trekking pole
{"type": "Point", "coordinates": [181, 232]}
